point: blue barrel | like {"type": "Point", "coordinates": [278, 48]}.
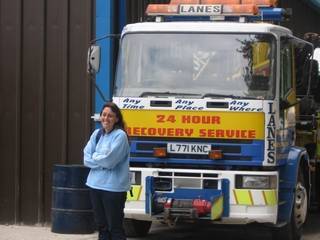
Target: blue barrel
{"type": "Point", "coordinates": [71, 210]}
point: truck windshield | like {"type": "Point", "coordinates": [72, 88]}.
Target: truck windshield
{"type": "Point", "coordinates": [196, 65]}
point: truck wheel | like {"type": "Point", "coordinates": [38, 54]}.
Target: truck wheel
{"type": "Point", "coordinates": [136, 228]}
{"type": "Point", "coordinates": [293, 230]}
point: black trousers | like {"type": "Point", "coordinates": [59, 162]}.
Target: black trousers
{"type": "Point", "coordinates": [108, 211]}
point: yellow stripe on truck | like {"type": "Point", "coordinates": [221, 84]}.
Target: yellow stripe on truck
{"type": "Point", "coordinates": [134, 193]}
{"type": "Point", "coordinates": [217, 208]}
{"type": "Point", "coordinates": [243, 196]}
{"type": "Point", "coordinates": [270, 197]}
{"type": "Point", "coordinates": [255, 197]}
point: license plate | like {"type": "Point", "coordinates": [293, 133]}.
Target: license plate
{"type": "Point", "coordinates": [188, 148]}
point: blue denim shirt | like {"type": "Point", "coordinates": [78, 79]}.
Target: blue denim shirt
{"type": "Point", "coordinates": [108, 160]}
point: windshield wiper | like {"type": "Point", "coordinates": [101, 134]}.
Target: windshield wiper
{"type": "Point", "coordinates": [217, 95]}
{"type": "Point", "coordinates": [167, 94]}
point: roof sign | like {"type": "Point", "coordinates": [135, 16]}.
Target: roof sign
{"type": "Point", "coordinates": [200, 9]}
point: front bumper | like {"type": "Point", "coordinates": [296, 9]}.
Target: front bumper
{"type": "Point", "coordinates": [228, 204]}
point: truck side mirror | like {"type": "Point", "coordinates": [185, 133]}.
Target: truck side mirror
{"type": "Point", "coordinates": [93, 61]}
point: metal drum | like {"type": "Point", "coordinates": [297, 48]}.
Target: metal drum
{"type": "Point", "coordinates": [71, 210]}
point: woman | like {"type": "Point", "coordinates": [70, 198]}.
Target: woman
{"type": "Point", "coordinates": [107, 154]}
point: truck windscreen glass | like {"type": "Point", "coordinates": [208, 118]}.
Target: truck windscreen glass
{"type": "Point", "coordinates": [198, 65]}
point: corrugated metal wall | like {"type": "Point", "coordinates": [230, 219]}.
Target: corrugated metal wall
{"type": "Point", "coordinates": [46, 98]}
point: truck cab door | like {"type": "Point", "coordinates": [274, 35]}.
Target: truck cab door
{"type": "Point", "coordinates": [288, 98]}
{"type": "Point", "coordinates": [295, 102]}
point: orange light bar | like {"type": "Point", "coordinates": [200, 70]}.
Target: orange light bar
{"type": "Point", "coordinates": [185, 2]}
{"type": "Point", "coordinates": [265, 3]}
{"type": "Point", "coordinates": [231, 9]}
{"type": "Point", "coordinates": [162, 9]}
{"type": "Point", "coordinates": [220, 1]}
{"type": "Point", "coordinates": [241, 9]}
{"type": "Point", "coordinates": [261, 3]}
{"type": "Point", "coordinates": [215, 154]}
{"type": "Point", "coordinates": [177, 2]}
{"type": "Point", "coordinates": [159, 152]}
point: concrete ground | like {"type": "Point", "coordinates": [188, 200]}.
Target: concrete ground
{"type": "Point", "coordinates": [160, 232]}
{"type": "Point", "coordinates": [15, 232]}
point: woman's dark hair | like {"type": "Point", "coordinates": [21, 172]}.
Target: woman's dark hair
{"type": "Point", "coordinates": [114, 108]}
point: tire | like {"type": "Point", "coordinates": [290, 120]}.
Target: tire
{"type": "Point", "coordinates": [136, 228]}
{"type": "Point", "coordinates": [293, 230]}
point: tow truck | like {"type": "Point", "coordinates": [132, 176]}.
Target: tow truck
{"type": "Point", "coordinates": [223, 128]}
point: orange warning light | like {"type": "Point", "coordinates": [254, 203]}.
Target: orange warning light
{"type": "Point", "coordinates": [261, 3]}
{"type": "Point", "coordinates": [159, 152]}
{"type": "Point", "coordinates": [215, 154]}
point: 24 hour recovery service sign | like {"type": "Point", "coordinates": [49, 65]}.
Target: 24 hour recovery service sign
{"type": "Point", "coordinates": [190, 124]}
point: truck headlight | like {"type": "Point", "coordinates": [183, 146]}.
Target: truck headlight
{"type": "Point", "coordinates": [256, 182]}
